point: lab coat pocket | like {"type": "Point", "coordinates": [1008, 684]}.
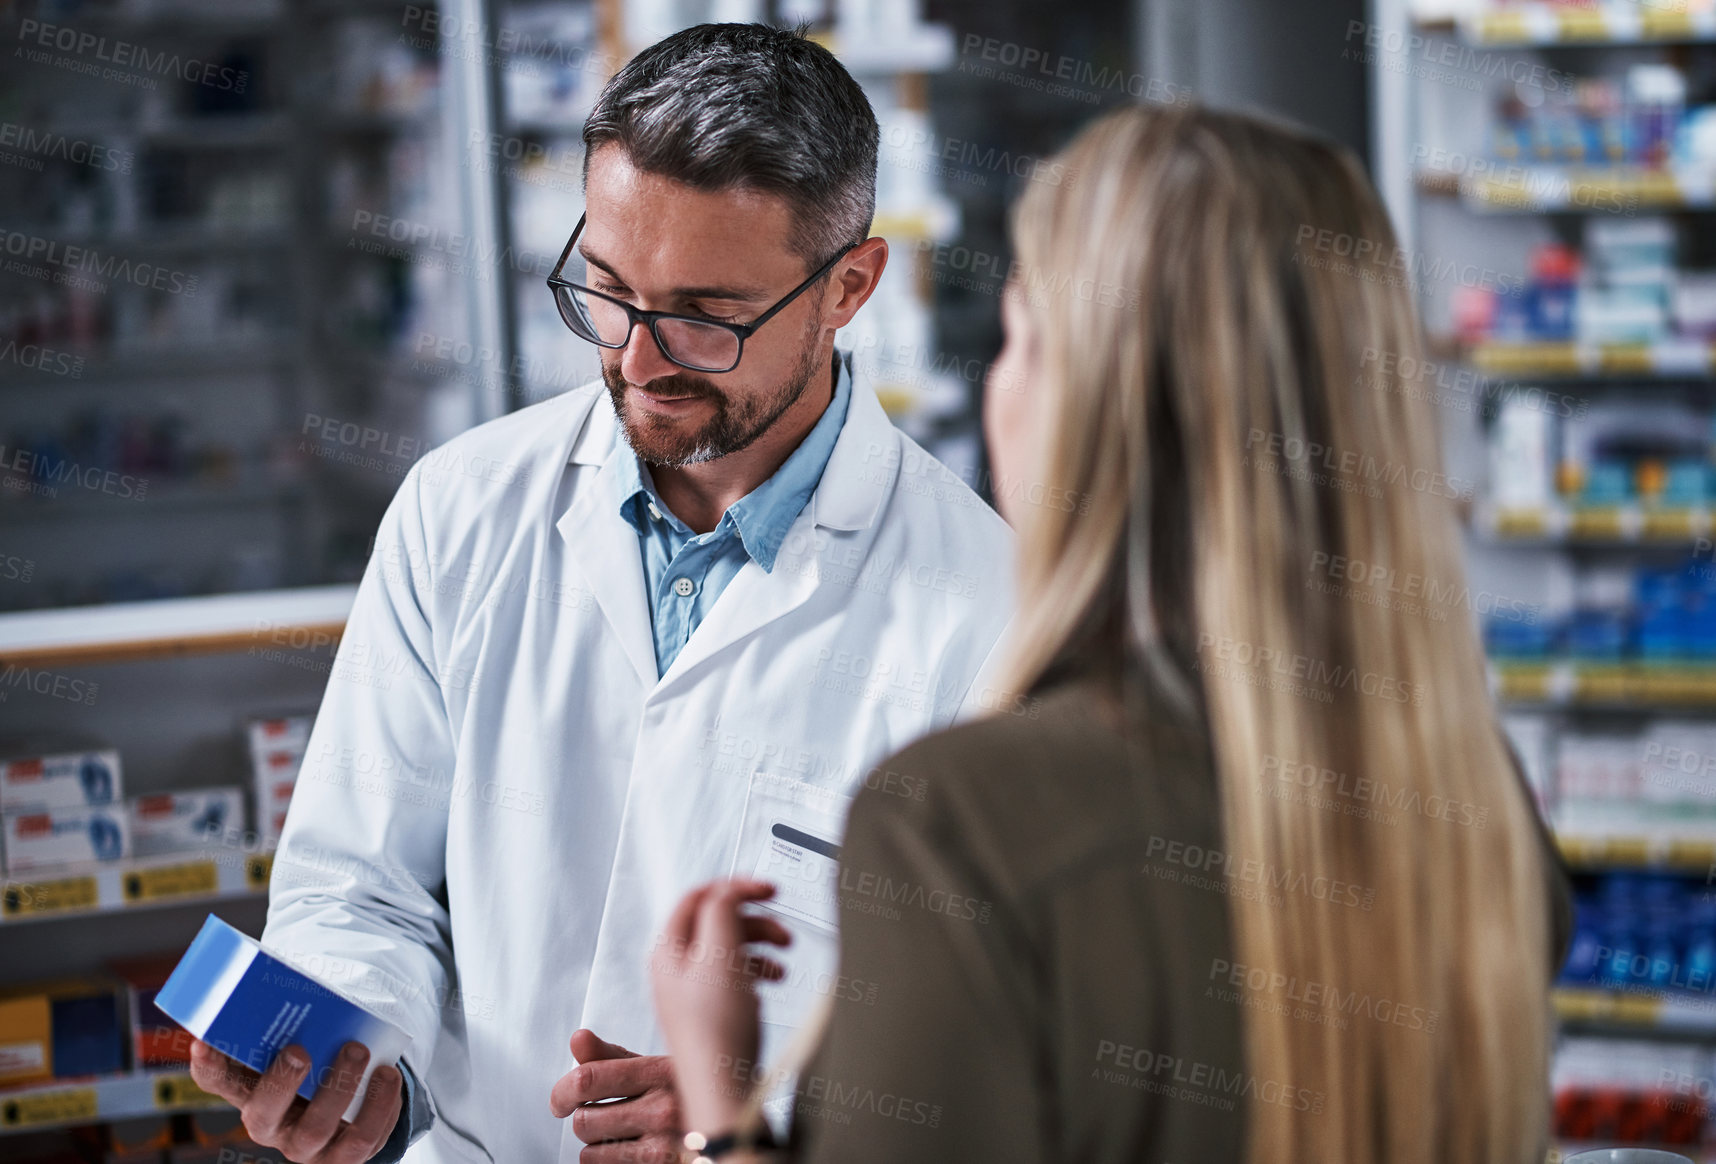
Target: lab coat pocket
{"type": "Point", "coordinates": [790, 836]}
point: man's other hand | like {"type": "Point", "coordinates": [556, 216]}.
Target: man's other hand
{"type": "Point", "coordinates": [640, 1124]}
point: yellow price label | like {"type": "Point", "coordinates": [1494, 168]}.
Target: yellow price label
{"type": "Point", "coordinates": [257, 870]}
{"type": "Point", "coordinates": [25, 898]}
{"type": "Point", "coordinates": [1660, 25]}
{"type": "Point", "coordinates": [1598, 684]}
{"type": "Point", "coordinates": [64, 1106]}
{"type": "Point", "coordinates": [1667, 524]}
{"type": "Point", "coordinates": [1599, 522]}
{"type": "Point", "coordinates": [188, 879]}
{"type": "Point", "coordinates": [1643, 1009]}
{"type": "Point", "coordinates": [1692, 854]}
{"type": "Point", "coordinates": [1608, 1005]}
{"type": "Point", "coordinates": [1626, 851]}
{"type": "Point", "coordinates": [1498, 193]}
{"type": "Point", "coordinates": [1650, 187]}
{"type": "Point", "coordinates": [1626, 359]}
{"type": "Point", "coordinates": [1525, 359]}
{"type": "Point", "coordinates": [903, 225]}
{"type": "Point", "coordinates": [1583, 24]}
{"type": "Point", "coordinates": [1662, 683]}
{"type": "Point", "coordinates": [1503, 26]}
{"type": "Point", "coordinates": [1580, 1004]}
{"type": "Point", "coordinates": [1682, 685]}
{"type": "Point", "coordinates": [1526, 684]}
{"type": "Point", "coordinates": [1521, 523]}
{"type": "Point", "coordinates": [176, 1091]}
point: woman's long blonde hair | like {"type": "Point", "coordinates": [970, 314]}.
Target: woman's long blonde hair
{"type": "Point", "coordinates": [1228, 388]}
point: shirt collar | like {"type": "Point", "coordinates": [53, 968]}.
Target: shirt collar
{"type": "Point", "coordinates": [765, 514]}
{"type": "Point", "coordinates": [636, 490]}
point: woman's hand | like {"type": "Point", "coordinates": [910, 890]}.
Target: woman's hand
{"type": "Point", "coordinates": [705, 997]}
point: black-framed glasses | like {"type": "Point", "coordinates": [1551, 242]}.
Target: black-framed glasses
{"type": "Point", "coordinates": [701, 345]}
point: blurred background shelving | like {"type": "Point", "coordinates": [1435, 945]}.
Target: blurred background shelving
{"type": "Point", "coordinates": [1550, 167]}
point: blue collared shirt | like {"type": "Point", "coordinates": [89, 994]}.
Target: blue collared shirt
{"type": "Point", "coordinates": [685, 572]}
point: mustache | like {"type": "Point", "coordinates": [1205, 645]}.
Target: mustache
{"type": "Point", "coordinates": [676, 387]}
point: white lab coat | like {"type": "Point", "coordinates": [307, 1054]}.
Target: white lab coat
{"type": "Point", "coordinates": [501, 801]}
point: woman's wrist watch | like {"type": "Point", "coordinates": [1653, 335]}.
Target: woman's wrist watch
{"type": "Point", "coordinates": [711, 1148]}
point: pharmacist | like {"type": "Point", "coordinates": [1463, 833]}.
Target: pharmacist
{"type": "Point", "coordinates": [607, 646]}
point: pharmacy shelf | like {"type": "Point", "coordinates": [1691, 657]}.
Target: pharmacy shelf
{"type": "Point", "coordinates": [1574, 189]}
{"type": "Point", "coordinates": [1605, 525]}
{"type": "Point", "coordinates": [1658, 849]}
{"type": "Point", "coordinates": [1603, 24]}
{"type": "Point", "coordinates": [215, 365]}
{"type": "Point", "coordinates": [1668, 359]}
{"type": "Point", "coordinates": [336, 122]}
{"type": "Point", "coordinates": [928, 48]}
{"type": "Point", "coordinates": [93, 890]}
{"type": "Point", "coordinates": [174, 626]}
{"type": "Point", "coordinates": [1604, 686]}
{"type": "Point", "coordinates": [937, 221]}
{"type": "Point", "coordinates": [132, 1095]}
{"type": "Point", "coordinates": [1665, 1011]}
{"type": "Point", "coordinates": [168, 236]}
{"type": "Point", "coordinates": [208, 131]}
{"type": "Point", "coordinates": [69, 501]}
{"type": "Point", "coordinates": [240, 19]}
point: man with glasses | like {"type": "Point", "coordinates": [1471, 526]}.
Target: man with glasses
{"type": "Point", "coordinates": [628, 640]}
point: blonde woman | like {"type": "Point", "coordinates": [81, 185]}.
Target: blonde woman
{"type": "Point", "coordinates": [1254, 874]}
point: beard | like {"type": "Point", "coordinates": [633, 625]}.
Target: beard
{"type": "Point", "coordinates": [733, 425]}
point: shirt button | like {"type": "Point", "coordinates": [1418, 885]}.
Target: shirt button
{"type": "Point", "coordinates": [655, 514]}
{"type": "Point", "coordinates": [684, 587]}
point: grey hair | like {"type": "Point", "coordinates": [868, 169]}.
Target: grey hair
{"type": "Point", "coordinates": [723, 106]}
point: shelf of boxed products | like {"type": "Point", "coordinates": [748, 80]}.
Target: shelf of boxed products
{"type": "Point", "coordinates": [1605, 144]}
{"type": "Point", "coordinates": [1667, 358]}
{"type": "Point", "coordinates": [248, 130]}
{"type": "Point", "coordinates": [1640, 639]}
{"type": "Point", "coordinates": [1666, 1011]}
{"type": "Point", "coordinates": [1595, 525]}
{"type": "Point", "coordinates": [1623, 305]}
{"type": "Point", "coordinates": [76, 846]}
{"type": "Point", "coordinates": [914, 48]}
{"type": "Point", "coordinates": [1531, 683]}
{"type": "Point", "coordinates": [129, 1095]}
{"type": "Point", "coordinates": [1635, 1092]}
{"type": "Point", "coordinates": [936, 221]}
{"type": "Point", "coordinates": [1642, 955]}
{"type": "Point", "coordinates": [1575, 189]}
{"type": "Point", "coordinates": [136, 18]}
{"type": "Point", "coordinates": [97, 248]}
{"type": "Point", "coordinates": [139, 883]}
{"type": "Point", "coordinates": [1683, 850]}
{"type": "Point", "coordinates": [212, 493]}
{"type": "Point", "coordinates": [1597, 24]}
{"type": "Point", "coordinates": [303, 618]}
{"type": "Point", "coordinates": [110, 364]}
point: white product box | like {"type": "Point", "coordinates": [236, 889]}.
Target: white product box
{"type": "Point", "coordinates": [59, 780]}
{"type": "Point", "coordinates": [1677, 764]}
{"type": "Point", "coordinates": [170, 822]}
{"type": "Point", "coordinates": [1530, 737]}
{"type": "Point", "coordinates": [59, 836]}
{"type": "Point", "coordinates": [276, 751]}
{"type": "Point", "coordinates": [1598, 766]}
{"type": "Point", "coordinates": [1520, 451]}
